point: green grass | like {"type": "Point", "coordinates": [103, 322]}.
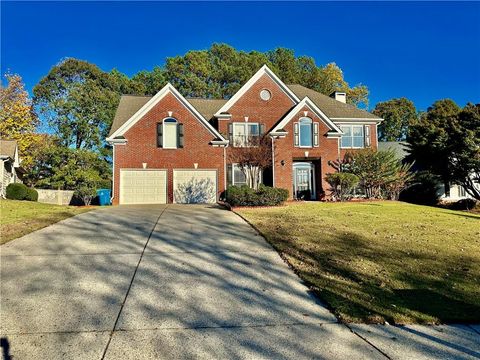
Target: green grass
{"type": "Point", "coordinates": [18, 218]}
{"type": "Point", "coordinates": [381, 261]}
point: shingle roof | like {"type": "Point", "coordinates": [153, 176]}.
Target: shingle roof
{"type": "Point", "coordinates": [398, 147]}
{"type": "Point", "coordinates": [130, 104]}
{"type": "Point", "coordinates": [7, 148]}
{"type": "Point", "coordinates": [331, 107]}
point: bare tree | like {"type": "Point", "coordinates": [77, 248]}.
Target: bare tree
{"type": "Point", "coordinates": [252, 154]}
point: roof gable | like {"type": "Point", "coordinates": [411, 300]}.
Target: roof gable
{"type": "Point", "coordinates": [130, 119]}
{"type": "Point", "coordinates": [264, 70]}
{"type": "Point", "coordinates": [334, 109]}
{"type": "Point", "coordinates": [311, 105]}
{"type": "Point", "coordinates": [8, 148]}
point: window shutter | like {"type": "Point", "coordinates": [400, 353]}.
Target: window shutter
{"type": "Point", "coordinates": [262, 129]}
{"type": "Point", "coordinates": [295, 134]}
{"type": "Point", "coordinates": [229, 174]}
{"type": "Point", "coordinates": [230, 134]}
{"type": "Point", "coordinates": [180, 136]}
{"type": "Point", "coordinates": [366, 132]}
{"type": "Point", "coordinates": [315, 134]}
{"type": "Point", "coordinates": [159, 135]}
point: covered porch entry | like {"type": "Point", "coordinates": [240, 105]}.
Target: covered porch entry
{"type": "Point", "coordinates": [307, 179]}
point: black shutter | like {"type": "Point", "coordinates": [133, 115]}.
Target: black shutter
{"type": "Point", "coordinates": [159, 135]}
{"type": "Point", "coordinates": [230, 134]}
{"type": "Point", "coordinates": [180, 136]}
{"type": "Point", "coordinates": [229, 175]}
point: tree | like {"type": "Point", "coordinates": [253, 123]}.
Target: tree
{"type": "Point", "coordinates": [381, 174]}
{"type": "Point", "coordinates": [429, 140]}
{"type": "Point", "coordinates": [18, 121]}
{"type": "Point", "coordinates": [69, 169]}
{"type": "Point", "coordinates": [398, 115]}
{"type": "Point", "coordinates": [78, 101]}
{"type": "Point", "coordinates": [252, 157]}
{"type": "Point", "coordinates": [221, 70]}
{"type": "Point", "coordinates": [465, 145]}
{"type": "Point", "coordinates": [341, 184]}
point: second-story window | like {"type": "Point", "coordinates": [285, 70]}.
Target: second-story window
{"type": "Point", "coordinates": [353, 137]}
{"type": "Point", "coordinates": [244, 134]}
{"type": "Point", "coordinates": [170, 134]}
{"type": "Point", "coordinates": [305, 133]}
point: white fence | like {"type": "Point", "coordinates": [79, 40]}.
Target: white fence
{"type": "Point", "coordinates": [58, 197]}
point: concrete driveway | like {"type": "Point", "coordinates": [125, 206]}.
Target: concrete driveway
{"type": "Point", "coordinates": [150, 282]}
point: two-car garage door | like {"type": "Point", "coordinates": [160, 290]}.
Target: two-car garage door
{"type": "Point", "coordinates": [149, 186]}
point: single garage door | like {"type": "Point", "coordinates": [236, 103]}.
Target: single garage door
{"type": "Point", "coordinates": [195, 186]}
{"type": "Point", "coordinates": [139, 186]}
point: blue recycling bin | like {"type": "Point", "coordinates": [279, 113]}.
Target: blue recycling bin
{"type": "Point", "coordinates": [104, 196]}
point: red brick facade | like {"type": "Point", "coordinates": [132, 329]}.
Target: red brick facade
{"type": "Point", "coordinates": [141, 146]}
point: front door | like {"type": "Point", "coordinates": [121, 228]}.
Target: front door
{"type": "Point", "coordinates": [303, 181]}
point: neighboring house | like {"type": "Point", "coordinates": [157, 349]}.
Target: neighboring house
{"type": "Point", "coordinates": [10, 171]}
{"type": "Point", "coordinates": [168, 148]}
{"type": "Point", "coordinates": [457, 192]}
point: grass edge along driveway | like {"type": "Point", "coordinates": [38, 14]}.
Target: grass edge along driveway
{"type": "Point", "coordinates": [18, 218]}
{"type": "Point", "coordinates": [381, 261]}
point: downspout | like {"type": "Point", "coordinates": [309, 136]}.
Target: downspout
{"type": "Point", "coordinates": [113, 174]}
{"type": "Point", "coordinates": [273, 161]}
{"type": "Point", "coordinates": [225, 167]}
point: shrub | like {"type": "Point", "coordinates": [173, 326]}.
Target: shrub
{"type": "Point", "coordinates": [423, 189]}
{"type": "Point", "coordinates": [86, 193]}
{"type": "Point", "coordinates": [16, 191]}
{"type": "Point", "coordinates": [32, 195]}
{"type": "Point", "coordinates": [342, 184]}
{"type": "Point", "coordinates": [463, 204]}
{"type": "Point", "coordinates": [264, 196]}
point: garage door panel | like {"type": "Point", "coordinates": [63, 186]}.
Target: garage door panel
{"type": "Point", "coordinates": [143, 186]}
{"type": "Point", "coordinates": [195, 186]}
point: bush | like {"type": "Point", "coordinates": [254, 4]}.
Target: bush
{"type": "Point", "coordinates": [463, 204]}
{"type": "Point", "coordinates": [32, 195]}
{"type": "Point", "coordinates": [264, 196]}
{"type": "Point", "coordinates": [342, 184]}
{"type": "Point", "coordinates": [422, 190]}
{"type": "Point", "coordinates": [16, 191]}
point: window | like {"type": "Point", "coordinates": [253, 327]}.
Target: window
{"type": "Point", "coordinates": [243, 132]}
{"type": "Point", "coordinates": [305, 130]}
{"type": "Point", "coordinates": [265, 95]}
{"type": "Point", "coordinates": [170, 134]}
{"type": "Point", "coordinates": [352, 136]}
{"type": "Point", "coordinates": [305, 133]}
{"type": "Point", "coordinates": [239, 177]}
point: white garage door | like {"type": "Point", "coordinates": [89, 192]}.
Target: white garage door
{"type": "Point", "coordinates": [195, 186]}
{"type": "Point", "coordinates": [143, 186]}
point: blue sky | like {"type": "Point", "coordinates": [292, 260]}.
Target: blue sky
{"type": "Point", "coordinates": [423, 51]}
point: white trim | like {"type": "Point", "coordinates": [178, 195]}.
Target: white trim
{"type": "Point", "coordinates": [113, 177]}
{"type": "Point", "coordinates": [167, 89]}
{"type": "Point", "coordinates": [306, 102]}
{"type": "Point", "coordinates": [358, 119]}
{"type": "Point", "coordinates": [263, 70]}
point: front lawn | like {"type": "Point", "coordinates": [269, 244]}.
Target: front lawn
{"type": "Point", "coordinates": [381, 261]}
{"type": "Point", "coordinates": [18, 218]}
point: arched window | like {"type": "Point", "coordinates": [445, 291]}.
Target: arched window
{"type": "Point", "coordinates": [305, 131]}
{"type": "Point", "coordinates": [170, 134]}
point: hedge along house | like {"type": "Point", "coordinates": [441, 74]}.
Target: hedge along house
{"type": "Point", "coordinates": [168, 148]}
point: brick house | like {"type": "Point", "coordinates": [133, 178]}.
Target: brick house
{"type": "Point", "coordinates": [168, 148]}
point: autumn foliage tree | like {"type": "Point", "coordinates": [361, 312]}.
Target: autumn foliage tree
{"type": "Point", "coordinates": [18, 121]}
{"type": "Point", "coordinates": [253, 156]}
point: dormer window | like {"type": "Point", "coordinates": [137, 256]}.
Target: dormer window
{"type": "Point", "coordinates": [170, 134]}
